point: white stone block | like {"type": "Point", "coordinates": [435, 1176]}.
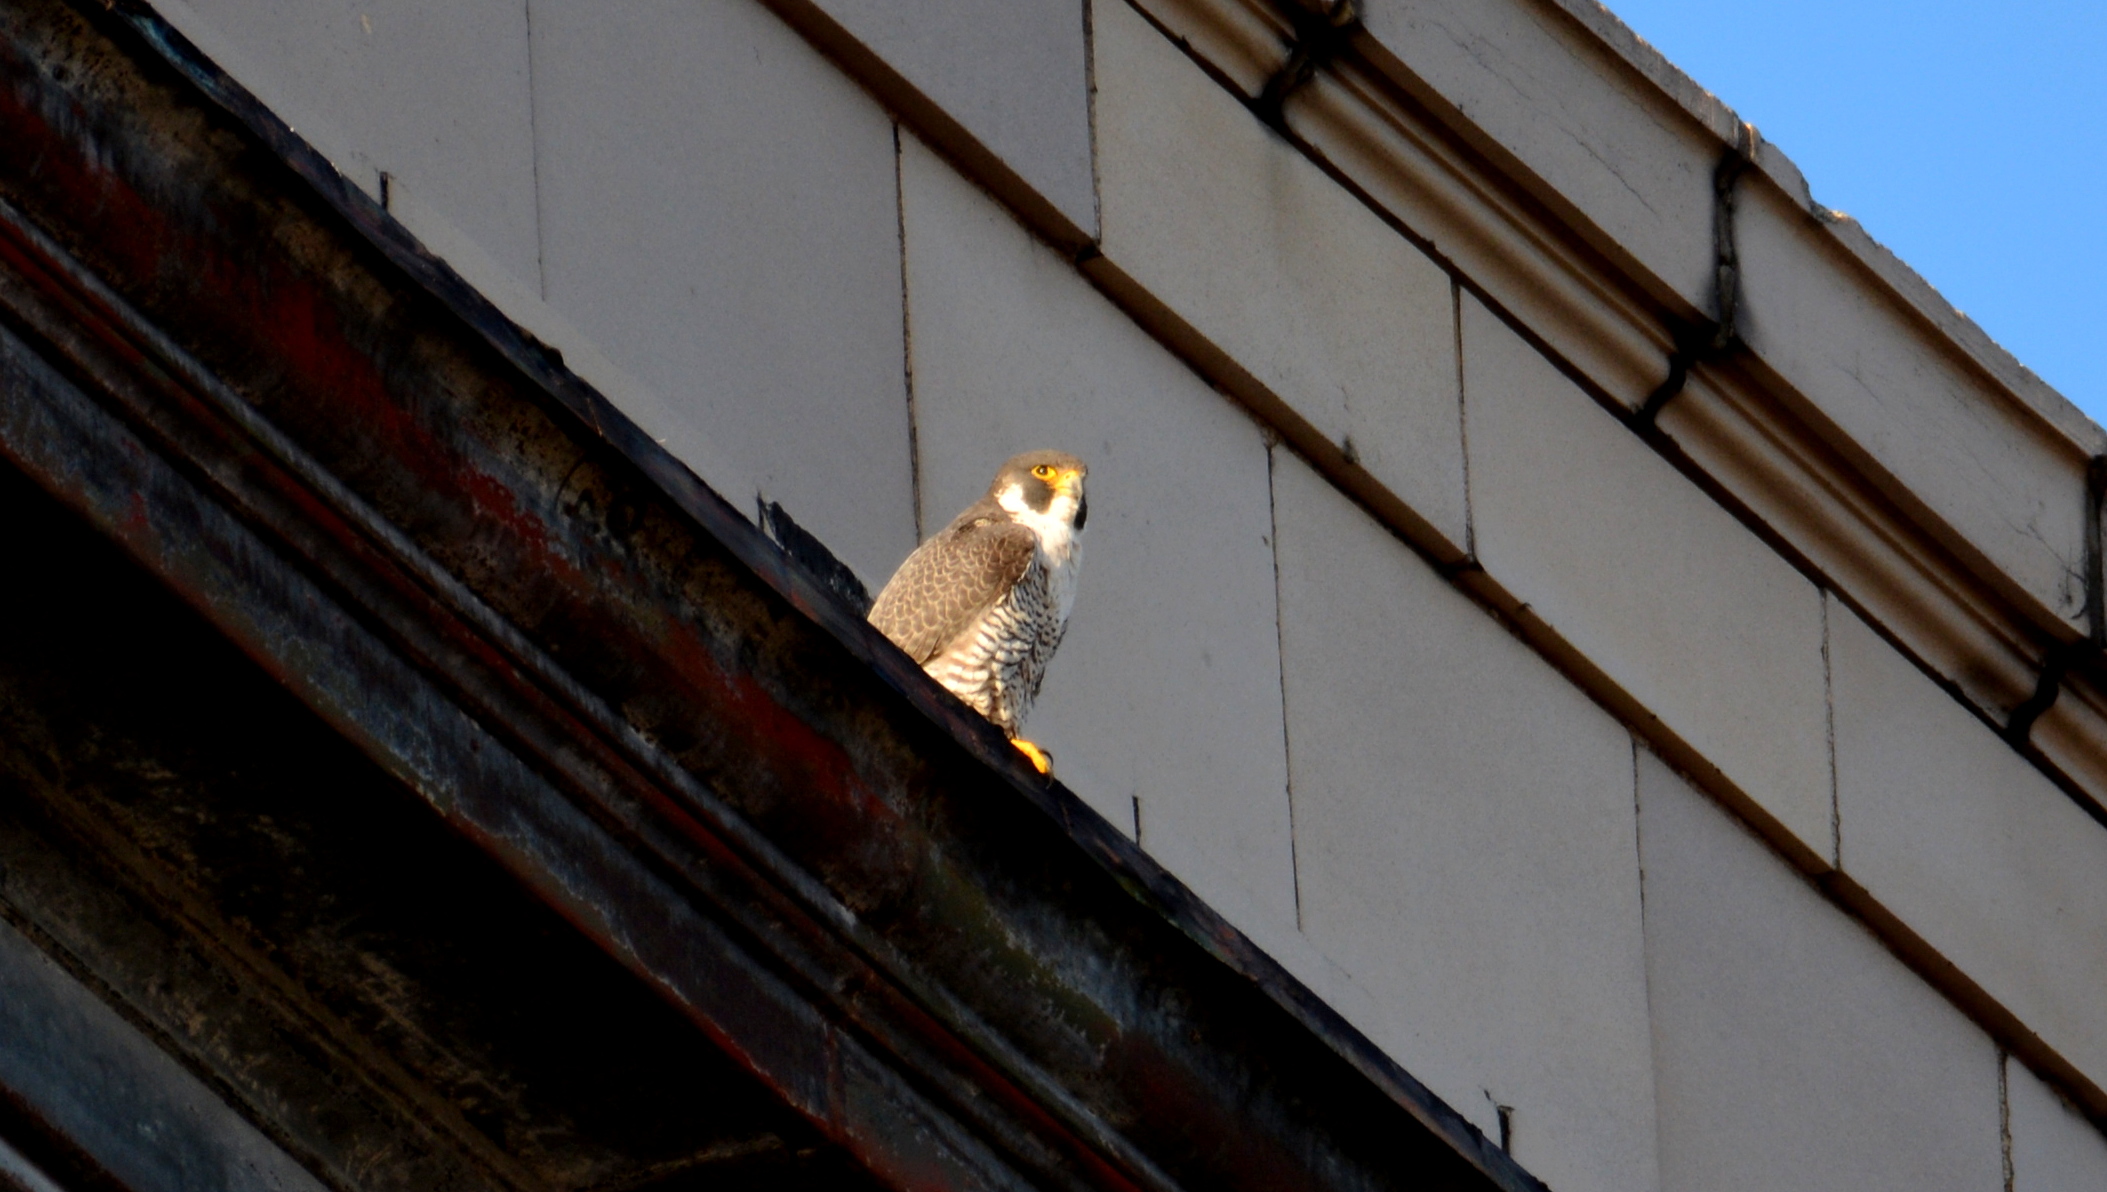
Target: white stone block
{"type": "Point", "coordinates": [1792, 1050]}
{"type": "Point", "coordinates": [435, 94]}
{"type": "Point", "coordinates": [1304, 287]}
{"type": "Point", "coordinates": [720, 215]}
{"type": "Point", "coordinates": [1465, 840]}
{"type": "Point", "coordinates": [1597, 138]}
{"type": "Point", "coordinates": [524, 305]}
{"type": "Point", "coordinates": [2054, 1149]}
{"type": "Point", "coordinates": [1014, 73]}
{"type": "Point", "coordinates": [1648, 578]}
{"type": "Point", "coordinates": [1970, 846]}
{"type": "Point", "coordinates": [1166, 691]}
{"type": "Point", "coordinates": [2006, 481]}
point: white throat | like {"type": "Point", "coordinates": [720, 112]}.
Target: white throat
{"type": "Point", "coordinates": [1060, 543]}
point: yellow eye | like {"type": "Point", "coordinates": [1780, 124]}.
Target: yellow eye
{"type": "Point", "coordinates": [1044, 471]}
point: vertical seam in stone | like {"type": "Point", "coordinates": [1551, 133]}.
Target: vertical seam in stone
{"type": "Point", "coordinates": [1097, 202]}
{"type": "Point", "coordinates": [2060, 659]}
{"type": "Point", "coordinates": [1638, 844]}
{"type": "Point", "coordinates": [2004, 1113]}
{"type": "Point", "coordinates": [1690, 349]}
{"type": "Point", "coordinates": [1135, 800]}
{"type": "Point", "coordinates": [1836, 812]}
{"type": "Point", "coordinates": [1280, 649]}
{"type": "Point", "coordinates": [541, 251]}
{"type": "Point", "coordinates": [914, 430]}
{"type": "Point", "coordinates": [1638, 850]}
{"type": "Point", "coordinates": [1463, 422]}
{"type": "Point", "coordinates": [1318, 39]}
{"type": "Point", "coordinates": [1726, 259]}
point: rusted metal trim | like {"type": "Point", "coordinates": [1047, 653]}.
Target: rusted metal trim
{"type": "Point", "coordinates": [356, 680]}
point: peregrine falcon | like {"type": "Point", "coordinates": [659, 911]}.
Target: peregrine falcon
{"type": "Point", "coordinates": [982, 605]}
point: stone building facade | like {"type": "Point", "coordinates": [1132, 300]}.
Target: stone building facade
{"type": "Point", "coordinates": [1603, 626]}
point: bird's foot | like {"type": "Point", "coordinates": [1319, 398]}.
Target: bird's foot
{"type": "Point", "coordinates": [1042, 761]}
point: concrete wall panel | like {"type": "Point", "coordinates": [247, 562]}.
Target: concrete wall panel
{"type": "Point", "coordinates": [1465, 838]}
{"type": "Point", "coordinates": [720, 215]}
{"type": "Point", "coordinates": [2053, 1148]}
{"type": "Point", "coordinates": [1970, 846]}
{"type": "Point", "coordinates": [1304, 287]}
{"type": "Point", "coordinates": [1792, 1049]}
{"type": "Point", "coordinates": [1647, 577]}
{"type": "Point", "coordinates": [1166, 691]}
{"type": "Point", "coordinates": [437, 94]}
{"type": "Point", "coordinates": [1014, 73]}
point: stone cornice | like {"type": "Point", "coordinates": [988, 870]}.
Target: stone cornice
{"type": "Point", "coordinates": [1770, 451]}
{"type": "Point", "coordinates": [1885, 269]}
{"type": "Point", "coordinates": [1739, 428]}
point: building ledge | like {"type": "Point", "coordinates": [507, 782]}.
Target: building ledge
{"type": "Point", "coordinates": [411, 514]}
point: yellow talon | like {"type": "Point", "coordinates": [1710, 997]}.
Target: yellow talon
{"type": "Point", "coordinates": [1042, 761]}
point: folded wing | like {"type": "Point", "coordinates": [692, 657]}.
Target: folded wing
{"type": "Point", "coordinates": [951, 582]}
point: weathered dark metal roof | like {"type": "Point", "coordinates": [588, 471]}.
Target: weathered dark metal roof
{"type": "Point", "coordinates": [279, 912]}
{"type": "Point", "coordinates": [479, 578]}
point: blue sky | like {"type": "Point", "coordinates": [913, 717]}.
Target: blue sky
{"type": "Point", "coordinates": [1970, 138]}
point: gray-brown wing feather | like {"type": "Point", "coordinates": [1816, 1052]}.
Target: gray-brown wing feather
{"type": "Point", "coordinates": [951, 581]}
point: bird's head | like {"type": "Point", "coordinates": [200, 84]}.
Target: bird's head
{"type": "Point", "coordinates": [1043, 486]}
